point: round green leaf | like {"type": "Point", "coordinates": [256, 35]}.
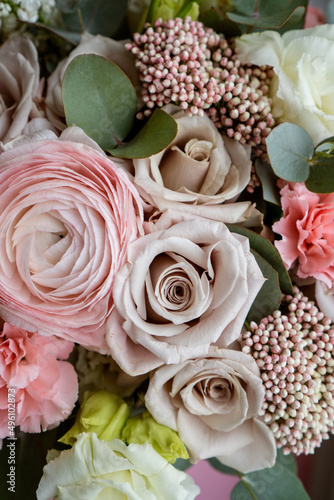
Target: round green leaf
{"type": "Point", "coordinates": [321, 178]}
{"type": "Point", "coordinates": [99, 98]}
{"type": "Point", "coordinates": [216, 464]}
{"type": "Point", "coordinates": [275, 483]}
{"type": "Point", "coordinates": [155, 136]}
{"type": "Point", "coordinates": [99, 17]}
{"type": "Point", "coordinates": [267, 250]}
{"type": "Point", "coordinates": [289, 149]}
{"type": "Point", "coordinates": [268, 180]}
{"type": "Point", "coordinates": [269, 297]}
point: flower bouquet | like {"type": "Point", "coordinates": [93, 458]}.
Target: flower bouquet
{"type": "Point", "coordinates": [166, 245]}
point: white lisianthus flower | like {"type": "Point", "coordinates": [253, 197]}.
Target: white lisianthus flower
{"type": "Point", "coordinates": [303, 89]}
{"type": "Point", "coordinates": [95, 469]}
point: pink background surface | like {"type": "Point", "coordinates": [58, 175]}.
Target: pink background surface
{"type": "Point", "coordinates": [214, 485]}
{"type": "Point", "coordinates": [217, 486]}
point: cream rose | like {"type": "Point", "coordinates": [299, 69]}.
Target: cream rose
{"type": "Point", "coordinates": [303, 89]}
{"type": "Point", "coordinates": [68, 215]}
{"type": "Point", "coordinates": [113, 50]}
{"type": "Point", "coordinates": [201, 172]}
{"type": "Point", "coordinates": [19, 81]}
{"type": "Point", "coordinates": [213, 402]}
{"type": "Point", "coordinates": [182, 289]}
{"type": "Point", "coordinates": [324, 296]}
{"type": "Point", "coordinates": [94, 469]}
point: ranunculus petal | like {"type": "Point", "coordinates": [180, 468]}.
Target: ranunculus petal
{"type": "Point", "coordinates": [69, 215]}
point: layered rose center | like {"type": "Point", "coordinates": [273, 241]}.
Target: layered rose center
{"type": "Point", "coordinates": [56, 256]}
{"type": "Point", "coordinates": [175, 287]}
{"type": "Point", "coordinates": [186, 167]}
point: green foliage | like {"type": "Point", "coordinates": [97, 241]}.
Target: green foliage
{"type": "Point", "coordinates": [94, 16]}
{"type": "Point", "coordinates": [216, 464]}
{"type": "Point", "coordinates": [293, 158]}
{"type": "Point", "coordinates": [257, 15]}
{"type": "Point", "coordinates": [269, 253]}
{"type": "Point", "coordinates": [277, 483]}
{"type": "Point", "coordinates": [277, 278]}
{"type": "Point", "coordinates": [268, 180]}
{"type": "Point", "coordinates": [321, 178]}
{"type": "Point", "coordinates": [69, 6]}
{"type": "Point", "coordinates": [156, 135]}
{"type": "Point", "coordinates": [269, 297]}
{"type": "Point", "coordinates": [290, 149]}
{"type": "Point", "coordinates": [99, 98]}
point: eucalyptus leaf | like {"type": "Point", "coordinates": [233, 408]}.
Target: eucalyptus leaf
{"type": "Point", "coordinates": [268, 180]}
{"type": "Point", "coordinates": [246, 7]}
{"type": "Point", "coordinates": [72, 37]}
{"type": "Point", "coordinates": [297, 19]}
{"type": "Point", "coordinates": [216, 464]}
{"type": "Point", "coordinates": [290, 148]}
{"type": "Point", "coordinates": [325, 147]}
{"type": "Point", "coordinates": [218, 22]}
{"type": "Point", "coordinates": [99, 98]}
{"type": "Point", "coordinates": [269, 297]}
{"type": "Point", "coordinates": [156, 135]}
{"type": "Point", "coordinates": [97, 17]}
{"type": "Point", "coordinates": [321, 178]}
{"type": "Point", "coordinates": [277, 483]}
{"type": "Point", "coordinates": [267, 250]}
{"type": "Point", "coordinates": [273, 21]}
{"type": "Point", "coordinates": [68, 6]}
{"type": "Point", "coordinates": [182, 464]}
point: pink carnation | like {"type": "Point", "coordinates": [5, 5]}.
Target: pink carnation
{"type": "Point", "coordinates": [314, 17]}
{"type": "Point", "coordinates": [68, 215]}
{"type": "Point", "coordinates": [307, 229]}
{"type": "Point", "coordinates": [45, 389]}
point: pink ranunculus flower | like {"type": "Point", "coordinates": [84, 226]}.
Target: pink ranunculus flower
{"type": "Point", "coordinates": [44, 389]}
{"type": "Point", "coordinates": [307, 229]}
{"type": "Point", "coordinates": [68, 215]}
{"type": "Point", "coordinates": [213, 402]}
{"type": "Point", "coordinates": [182, 289]}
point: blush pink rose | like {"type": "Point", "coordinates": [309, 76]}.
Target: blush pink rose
{"type": "Point", "coordinates": [307, 229]}
{"type": "Point", "coordinates": [19, 86]}
{"type": "Point", "coordinates": [182, 289]}
{"type": "Point", "coordinates": [213, 402]}
{"type": "Point", "coordinates": [68, 216]}
{"type": "Point", "coordinates": [44, 389]}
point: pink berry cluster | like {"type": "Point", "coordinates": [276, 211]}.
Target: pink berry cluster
{"type": "Point", "coordinates": [294, 352]}
{"type": "Point", "coordinates": [174, 63]}
{"type": "Point", "coordinates": [244, 112]}
{"type": "Point", "coordinates": [185, 63]}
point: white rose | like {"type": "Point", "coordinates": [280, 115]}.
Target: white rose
{"type": "Point", "coordinates": [213, 402]}
{"type": "Point", "coordinates": [95, 469]}
{"type": "Point", "coordinates": [200, 172]}
{"type": "Point", "coordinates": [19, 81]}
{"type": "Point", "coordinates": [182, 289]}
{"type": "Point", "coordinates": [113, 50]}
{"type": "Point", "coordinates": [303, 89]}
